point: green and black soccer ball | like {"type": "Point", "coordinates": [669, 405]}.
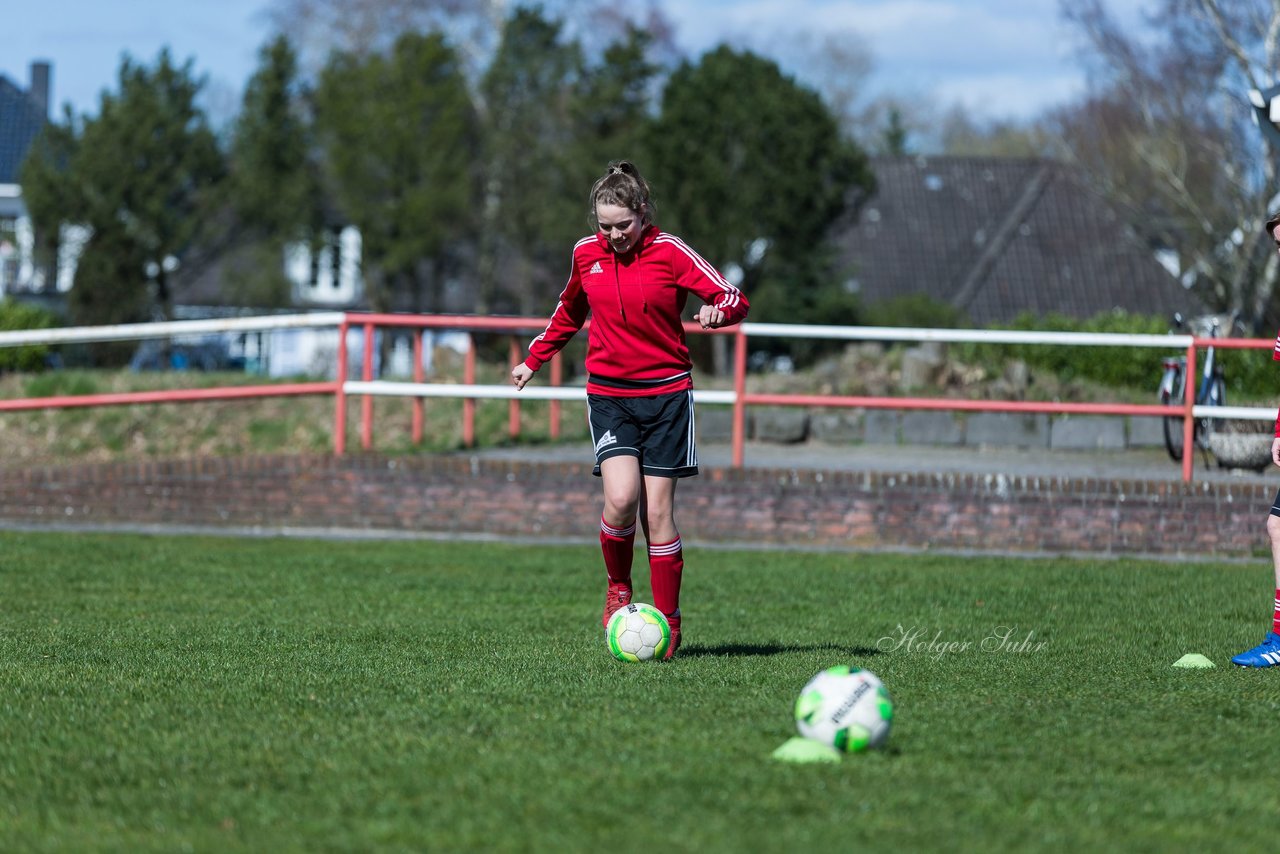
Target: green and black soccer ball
{"type": "Point", "coordinates": [845, 707]}
{"type": "Point", "coordinates": [638, 632]}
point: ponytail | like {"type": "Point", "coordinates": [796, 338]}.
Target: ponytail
{"type": "Point", "coordinates": [621, 185]}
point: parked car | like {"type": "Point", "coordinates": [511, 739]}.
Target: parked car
{"type": "Point", "coordinates": [210, 354]}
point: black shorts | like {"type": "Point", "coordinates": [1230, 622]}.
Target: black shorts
{"type": "Point", "coordinates": [1275, 505]}
{"type": "Point", "coordinates": [657, 430]}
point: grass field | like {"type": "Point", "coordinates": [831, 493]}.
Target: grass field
{"type": "Point", "coordinates": [214, 694]}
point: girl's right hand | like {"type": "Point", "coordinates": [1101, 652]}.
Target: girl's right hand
{"type": "Point", "coordinates": [520, 375]}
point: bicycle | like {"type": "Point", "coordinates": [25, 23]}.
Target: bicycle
{"type": "Point", "coordinates": [1211, 392]}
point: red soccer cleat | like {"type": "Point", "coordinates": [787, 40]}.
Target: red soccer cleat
{"type": "Point", "coordinates": [674, 622]}
{"type": "Point", "coordinates": [614, 598]}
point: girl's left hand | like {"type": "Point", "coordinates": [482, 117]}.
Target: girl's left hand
{"type": "Point", "coordinates": [710, 317]}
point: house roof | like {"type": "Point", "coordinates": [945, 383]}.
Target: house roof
{"type": "Point", "coordinates": [996, 237]}
{"type": "Point", "coordinates": [20, 121]}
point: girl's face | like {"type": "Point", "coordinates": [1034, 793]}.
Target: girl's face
{"type": "Point", "coordinates": [621, 226]}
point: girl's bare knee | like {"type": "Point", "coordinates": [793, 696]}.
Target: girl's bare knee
{"type": "Point", "coordinates": [1273, 528]}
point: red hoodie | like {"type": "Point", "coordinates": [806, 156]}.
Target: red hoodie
{"type": "Point", "coordinates": [636, 344]}
{"type": "Point", "coordinates": [1275, 355]}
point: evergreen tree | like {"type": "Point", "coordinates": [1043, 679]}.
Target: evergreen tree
{"type": "Point", "coordinates": [275, 186]}
{"type": "Point", "coordinates": [399, 136]}
{"type": "Point", "coordinates": [533, 176]}
{"type": "Point", "coordinates": [615, 104]}
{"type": "Point", "coordinates": [47, 192]}
{"type": "Point", "coordinates": [758, 182]}
{"type": "Point", "coordinates": [141, 176]}
{"type": "Point", "coordinates": [894, 135]}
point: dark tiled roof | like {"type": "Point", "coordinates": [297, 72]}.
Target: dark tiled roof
{"type": "Point", "coordinates": [20, 122]}
{"type": "Point", "coordinates": [996, 237]}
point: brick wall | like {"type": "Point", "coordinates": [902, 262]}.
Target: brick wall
{"type": "Point", "coordinates": [749, 506]}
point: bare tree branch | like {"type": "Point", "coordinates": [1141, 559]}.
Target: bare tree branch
{"type": "Point", "coordinates": [1168, 132]}
{"type": "Point", "coordinates": [1232, 45]}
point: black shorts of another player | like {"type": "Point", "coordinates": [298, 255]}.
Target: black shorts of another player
{"type": "Point", "coordinates": [658, 430]}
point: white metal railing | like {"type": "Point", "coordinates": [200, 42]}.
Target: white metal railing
{"type": "Point", "coordinates": [393, 388]}
{"type": "Point", "coordinates": [982, 336]}
{"type": "Point", "coordinates": [738, 397]}
{"type": "Point", "coordinates": [167, 329]}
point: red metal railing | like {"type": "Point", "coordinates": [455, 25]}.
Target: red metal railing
{"type": "Point", "coordinates": [739, 398]}
{"type": "Point", "coordinates": [421, 323]}
{"type": "Point", "coordinates": [143, 331]}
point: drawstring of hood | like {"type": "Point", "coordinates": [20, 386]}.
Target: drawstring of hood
{"type": "Point", "coordinates": [646, 237]}
{"type": "Point", "coordinates": [617, 284]}
{"type": "Point", "coordinates": [644, 299]}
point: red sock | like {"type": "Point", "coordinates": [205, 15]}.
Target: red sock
{"type": "Point", "coordinates": [618, 546]}
{"type": "Point", "coordinates": [1275, 617]}
{"type": "Point", "coordinates": [666, 565]}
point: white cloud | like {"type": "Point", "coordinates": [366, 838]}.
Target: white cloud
{"type": "Point", "coordinates": [1009, 95]}
{"type": "Point", "coordinates": [999, 58]}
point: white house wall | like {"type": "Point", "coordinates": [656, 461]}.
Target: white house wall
{"type": "Point", "coordinates": [15, 254]}
{"type": "Point", "coordinates": [283, 353]}
{"type": "Point", "coordinates": [71, 242]}
{"type": "Point", "coordinates": [311, 272]}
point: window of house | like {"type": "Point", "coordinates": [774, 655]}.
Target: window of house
{"type": "Point", "coordinates": [8, 251]}
{"type": "Point", "coordinates": [335, 259]}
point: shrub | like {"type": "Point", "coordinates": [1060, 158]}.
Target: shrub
{"type": "Point", "coordinates": [1132, 367]}
{"type": "Point", "coordinates": [915, 310]}
{"type": "Point", "coordinates": [1249, 373]}
{"type": "Point", "coordinates": [14, 317]}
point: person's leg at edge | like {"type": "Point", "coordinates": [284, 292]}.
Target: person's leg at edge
{"type": "Point", "coordinates": [1267, 654]}
{"type": "Point", "coordinates": [622, 487]}
{"type": "Point", "coordinates": [666, 554]}
{"type": "Point", "coordinates": [1273, 532]}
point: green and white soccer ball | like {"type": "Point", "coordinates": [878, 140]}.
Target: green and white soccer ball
{"type": "Point", "coordinates": [638, 632]}
{"type": "Point", "coordinates": [845, 707]}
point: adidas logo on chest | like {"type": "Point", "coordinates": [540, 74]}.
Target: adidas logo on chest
{"type": "Point", "coordinates": [595, 268]}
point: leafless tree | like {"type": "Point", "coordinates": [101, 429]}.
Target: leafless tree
{"type": "Point", "coordinates": [472, 27]}
{"type": "Point", "coordinates": [319, 27]}
{"type": "Point", "coordinates": [840, 67]}
{"type": "Point", "coordinates": [962, 135]}
{"type": "Point", "coordinates": [1168, 132]}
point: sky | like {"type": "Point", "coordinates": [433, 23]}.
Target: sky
{"type": "Point", "coordinates": [1001, 59]}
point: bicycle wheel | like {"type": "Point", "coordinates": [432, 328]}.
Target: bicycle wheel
{"type": "Point", "coordinates": [1173, 425]}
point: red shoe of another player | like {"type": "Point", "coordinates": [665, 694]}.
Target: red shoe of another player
{"type": "Point", "coordinates": [674, 622]}
{"type": "Point", "coordinates": [615, 597]}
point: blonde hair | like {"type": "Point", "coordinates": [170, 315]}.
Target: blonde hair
{"type": "Point", "coordinates": [621, 185]}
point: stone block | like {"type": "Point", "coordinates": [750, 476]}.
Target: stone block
{"type": "Point", "coordinates": [881, 427]}
{"type": "Point", "coordinates": [1018, 376]}
{"type": "Point", "coordinates": [1007, 430]}
{"type": "Point", "coordinates": [919, 369]}
{"type": "Point", "coordinates": [714, 422]}
{"type": "Point", "coordinates": [1145, 432]}
{"type": "Point", "coordinates": [835, 426]}
{"type": "Point", "coordinates": [925, 427]}
{"type": "Point", "coordinates": [781, 424]}
{"type": "Point", "coordinates": [1087, 433]}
